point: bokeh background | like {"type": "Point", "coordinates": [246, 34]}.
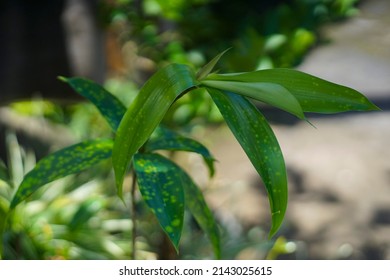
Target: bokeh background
{"type": "Point", "coordinates": [339, 172]}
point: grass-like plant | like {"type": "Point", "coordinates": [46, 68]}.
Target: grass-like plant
{"type": "Point", "coordinates": [165, 187]}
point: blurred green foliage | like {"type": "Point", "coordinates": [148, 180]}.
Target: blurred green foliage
{"type": "Point", "coordinates": [263, 34]}
{"type": "Point", "coordinates": [194, 31]}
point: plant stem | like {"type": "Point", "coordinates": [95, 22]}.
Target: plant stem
{"type": "Point", "coordinates": [133, 214]}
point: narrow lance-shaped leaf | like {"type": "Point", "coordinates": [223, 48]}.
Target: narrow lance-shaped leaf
{"type": "Point", "coordinates": [257, 139]}
{"type": "Point", "coordinates": [313, 94]}
{"type": "Point", "coordinates": [109, 105]}
{"type": "Point", "coordinates": [146, 112]}
{"type": "Point", "coordinates": [272, 94]}
{"type": "Point", "coordinates": [70, 160]}
{"type": "Point", "coordinates": [166, 188]}
{"type": "Point", "coordinates": [165, 139]}
{"type": "Point", "coordinates": [162, 189]}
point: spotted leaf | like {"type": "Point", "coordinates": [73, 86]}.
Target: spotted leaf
{"type": "Point", "coordinates": [70, 160]}
{"type": "Point", "coordinates": [166, 188]}
{"type": "Point", "coordinates": [313, 94]}
{"type": "Point", "coordinates": [257, 139]}
{"type": "Point", "coordinates": [109, 105]}
{"type": "Point", "coordinates": [165, 139]}
{"type": "Point", "coordinates": [270, 93]}
{"type": "Point", "coordinates": [161, 187]}
{"type": "Point", "coordinates": [146, 112]}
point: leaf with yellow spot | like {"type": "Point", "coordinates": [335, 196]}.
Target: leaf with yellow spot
{"type": "Point", "coordinates": [109, 105]}
{"type": "Point", "coordinates": [162, 189]}
{"type": "Point", "coordinates": [70, 160]}
{"type": "Point", "coordinates": [313, 94]}
{"type": "Point", "coordinates": [166, 188]}
{"type": "Point", "coordinates": [257, 139]}
{"type": "Point", "coordinates": [146, 112]}
{"type": "Point", "coordinates": [165, 139]}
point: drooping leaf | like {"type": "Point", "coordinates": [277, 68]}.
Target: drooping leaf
{"type": "Point", "coordinates": [146, 112]}
{"type": "Point", "coordinates": [272, 94]}
{"type": "Point", "coordinates": [206, 70]}
{"type": "Point", "coordinates": [257, 139]}
{"type": "Point", "coordinates": [200, 211]}
{"type": "Point", "coordinates": [70, 160]}
{"type": "Point", "coordinates": [169, 140]}
{"type": "Point", "coordinates": [162, 189]}
{"type": "Point", "coordinates": [313, 94]}
{"type": "Point", "coordinates": [166, 188]}
{"type": "Point", "coordinates": [109, 105]}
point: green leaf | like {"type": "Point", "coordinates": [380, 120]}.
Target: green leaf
{"type": "Point", "coordinates": [257, 139]}
{"type": "Point", "coordinates": [161, 187]}
{"type": "Point", "coordinates": [70, 160]}
{"type": "Point", "coordinates": [109, 105]}
{"type": "Point", "coordinates": [314, 94]}
{"type": "Point", "coordinates": [206, 70]}
{"type": "Point", "coordinates": [165, 187]}
{"type": "Point", "coordinates": [166, 139]}
{"type": "Point", "coordinates": [200, 211]}
{"type": "Point", "coordinates": [86, 211]}
{"type": "Point", "coordinates": [146, 112]}
{"type": "Point", "coordinates": [272, 94]}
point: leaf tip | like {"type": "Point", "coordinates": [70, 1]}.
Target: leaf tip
{"type": "Point", "coordinates": [120, 195]}
{"type": "Point", "coordinates": [374, 107]}
{"type": "Point", "coordinates": [119, 192]}
{"type": "Point", "coordinates": [206, 70]}
{"type": "Point", "coordinates": [310, 123]}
